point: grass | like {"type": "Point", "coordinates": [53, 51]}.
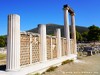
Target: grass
{"type": "Point", "coordinates": [37, 74]}
{"type": "Point", "coordinates": [2, 56]}
{"type": "Point", "coordinates": [34, 74]}
{"type": "Point", "coordinates": [67, 61]}
{"type": "Point", "coordinates": [52, 68]}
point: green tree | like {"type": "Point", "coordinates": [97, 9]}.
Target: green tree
{"type": "Point", "coordinates": [2, 41]}
{"type": "Point", "coordinates": [78, 36]}
{"type": "Point", "coordinates": [85, 35]}
{"type": "Point", "coordinates": [94, 33]}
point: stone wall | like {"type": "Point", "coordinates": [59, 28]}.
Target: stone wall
{"type": "Point", "coordinates": [30, 48]}
{"type": "Point", "coordinates": [64, 48]}
{"type": "Point", "coordinates": [72, 49]}
{"type": "Point", "coordinates": [35, 48]}
{"type": "Point", "coordinates": [25, 49]}
{"type": "Point", "coordinates": [49, 49]}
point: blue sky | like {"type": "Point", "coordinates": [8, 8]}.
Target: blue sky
{"type": "Point", "coordinates": [34, 12]}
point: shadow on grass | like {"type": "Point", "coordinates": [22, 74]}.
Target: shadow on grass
{"type": "Point", "coordinates": [3, 67]}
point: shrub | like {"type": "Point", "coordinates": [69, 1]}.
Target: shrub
{"type": "Point", "coordinates": [71, 60]}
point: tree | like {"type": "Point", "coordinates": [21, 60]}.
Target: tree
{"type": "Point", "coordinates": [85, 35]}
{"type": "Point", "coordinates": [2, 41]}
{"type": "Point", "coordinates": [94, 33]}
{"type": "Point", "coordinates": [78, 36]}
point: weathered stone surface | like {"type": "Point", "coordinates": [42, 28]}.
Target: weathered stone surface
{"type": "Point", "coordinates": [13, 43]}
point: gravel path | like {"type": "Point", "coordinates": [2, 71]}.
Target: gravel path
{"type": "Point", "coordinates": [86, 66]}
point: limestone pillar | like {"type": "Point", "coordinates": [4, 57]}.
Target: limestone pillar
{"type": "Point", "coordinates": [73, 32]}
{"type": "Point", "coordinates": [66, 29]}
{"type": "Point", "coordinates": [13, 43]}
{"type": "Point", "coordinates": [43, 44]}
{"type": "Point", "coordinates": [58, 35]}
{"type": "Point", "coordinates": [51, 49]}
{"type": "Point", "coordinates": [30, 48]}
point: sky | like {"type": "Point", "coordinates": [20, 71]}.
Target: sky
{"type": "Point", "coordinates": [34, 12]}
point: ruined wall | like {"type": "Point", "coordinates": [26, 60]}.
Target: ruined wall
{"type": "Point", "coordinates": [49, 49]}
{"type": "Point", "coordinates": [35, 48]}
{"type": "Point", "coordinates": [64, 48]}
{"type": "Point", "coordinates": [25, 49]}
{"type": "Point", "coordinates": [30, 48]}
{"type": "Point", "coordinates": [72, 49]}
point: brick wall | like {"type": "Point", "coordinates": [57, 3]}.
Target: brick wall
{"type": "Point", "coordinates": [30, 48]}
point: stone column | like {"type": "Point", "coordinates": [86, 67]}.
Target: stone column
{"type": "Point", "coordinates": [58, 35]}
{"type": "Point", "coordinates": [43, 44]}
{"type": "Point", "coordinates": [66, 29]}
{"type": "Point", "coordinates": [13, 43]}
{"type": "Point", "coordinates": [73, 32]}
{"type": "Point", "coordinates": [51, 49]}
{"type": "Point", "coordinates": [30, 48]}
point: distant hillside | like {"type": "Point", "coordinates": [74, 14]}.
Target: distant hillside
{"type": "Point", "coordinates": [52, 27]}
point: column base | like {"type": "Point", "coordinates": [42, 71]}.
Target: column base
{"type": "Point", "coordinates": [12, 70]}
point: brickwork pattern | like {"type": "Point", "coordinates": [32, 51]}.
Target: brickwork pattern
{"type": "Point", "coordinates": [62, 43]}
{"type": "Point", "coordinates": [25, 50]}
{"type": "Point", "coordinates": [33, 44]}
{"type": "Point", "coordinates": [72, 46]}
{"type": "Point", "coordinates": [64, 46]}
{"type": "Point", "coordinates": [35, 49]}
{"type": "Point", "coordinates": [54, 49]}
{"type": "Point", "coordinates": [48, 47]}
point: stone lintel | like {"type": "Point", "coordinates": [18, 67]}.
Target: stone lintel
{"type": "Point", "coordinates": [72, 14]}
{"type": "Point", "coordinates": [70, 10]}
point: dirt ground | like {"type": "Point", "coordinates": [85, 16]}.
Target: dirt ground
{"type": "Point", "coordinates": [3, 62]}
{"type": "Point", "coordinates": [89, 65]}
{"type": "Point", "coordinates": [84, 66]}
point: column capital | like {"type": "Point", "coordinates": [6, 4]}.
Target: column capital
{"type": "Point", "coordinates": [66, 8]}
{"type": "Point", "coordinates": [72, 14]}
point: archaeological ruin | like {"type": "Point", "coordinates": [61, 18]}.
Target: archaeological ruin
{"type": "Point", "coordinates": [35, 52]}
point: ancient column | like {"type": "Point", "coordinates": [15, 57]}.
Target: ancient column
{"type": "Point", "coordinates": [51, 49]}
{"type": "Point", "coordinates": [43, 44]}
{"type": "Point", "coordinates": [66, 29]}
{"type": "Point", "coordinates": [13, 43]}
{"type": "Point", "coordinates": [30, 48]}
{"type": "Point", "coordinates": [58, 35]}
{"type": "Point", "coordinates": [73, 31]}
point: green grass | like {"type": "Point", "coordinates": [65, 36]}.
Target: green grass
{"type": "Point", "coordinates": [67, 61]}
{"type": "Point", "coordinates": [37, 74]}
{"type": "Point", "coordinates": [34, 74]}
{"type": "Point", "coordinates": [2, 56]}
{"type": "Point", "coordinates": [52, 68]}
